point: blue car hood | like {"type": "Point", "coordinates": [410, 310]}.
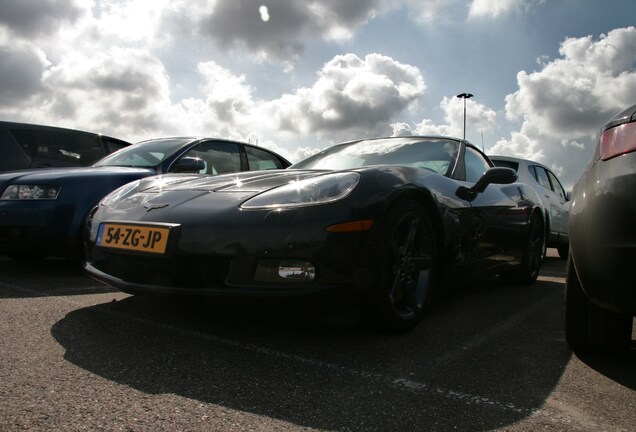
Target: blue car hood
{"type": "Point", "coordinates": [57, 175]}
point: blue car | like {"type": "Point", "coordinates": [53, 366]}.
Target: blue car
{"type": "Point", "coordinates": [42, 211]}
{"type": "Point", "coordinates": [25, 146]}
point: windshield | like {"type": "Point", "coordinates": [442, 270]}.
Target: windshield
{"type": "Point", "coordinates": [144, 154]}
{"type": "Point", "coordinates": [435, 154]}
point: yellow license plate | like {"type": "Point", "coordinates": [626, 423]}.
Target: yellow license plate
{"type": "Point", "coordinates": [139, 238]}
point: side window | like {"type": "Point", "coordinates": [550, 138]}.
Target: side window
{"type": "Point", "coordinates": [476, 165]}
{"type": "Point", "coordinates": [261, 160]}
{"type": "Point", "coordinates": [69, 148]}
{"type": "Point", "coordinates": [219, 157]}
{"type": "Point", "coordinates": [113, 145]}
{"type": "Point", "coordinates": [542, 177]}
{"type": "Point", "coordinates": [556, 185]}
{"type": "Point", "coordinates": [27, 138]}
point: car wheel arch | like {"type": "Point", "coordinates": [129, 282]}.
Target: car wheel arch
{"type": "Point", "coordinates": [546, 220]}
{"type": "Point", "coordinates": [426, 200]}
{"type": "Point", "coordinates": [546, 226]}
{"type": "Point", "coordinates": [528, 268]}
{"type": "Point", "coordinates": [381, 308]}
{"type": "Point", "coordinates": [590, 327]}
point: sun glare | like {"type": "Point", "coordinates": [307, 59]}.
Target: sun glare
{"type": "Point", "coordinates": [264, 13]}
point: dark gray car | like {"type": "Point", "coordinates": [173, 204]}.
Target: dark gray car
{"type": "Point", "coordinates": [24, 146]}
{"type": "Point", "coordinates": [600, 294]}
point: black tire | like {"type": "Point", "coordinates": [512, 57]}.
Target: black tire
{"type": "Point", "coordinates": [404, 271]}
{"type": "Point", "coordinates": [527, 272]}
{"type": "Point", "coordinates": [589, 328]}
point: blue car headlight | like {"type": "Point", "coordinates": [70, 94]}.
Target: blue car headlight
{"type": "Point", "coordinates": [317, 190]}
{"type": "Point", "coordinates": [30, 192]}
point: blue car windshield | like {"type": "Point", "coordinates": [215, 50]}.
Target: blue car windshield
{"type": "Point", "coordinates": [435, 154]}
{"type": "Point", "coordinates": [144, 154]}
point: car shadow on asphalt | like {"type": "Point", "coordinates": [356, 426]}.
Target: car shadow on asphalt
{"type": "Point", "coordinates": [330, 373]}
{"type": "Point", "coordinates": [46, 278]}
{"type": "Point", "coordinates": [618, 368]}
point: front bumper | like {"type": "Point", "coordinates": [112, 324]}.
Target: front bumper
{"type": "Point", "coordinates": [229, 266]}
{"type": "Point", "coordinates": [40, 228]}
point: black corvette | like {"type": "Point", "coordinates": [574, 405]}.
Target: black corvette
{"type": "Point", "coordinates": [43, 211]}
{"type": "Point", "coordinates": [381, 222]}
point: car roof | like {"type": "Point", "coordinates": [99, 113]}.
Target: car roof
{"type": "Point", "coordinates": [444, 137]}
{"type": "Point", "coordinates": [187, 138]}
{"type": "Point", "coordinates": [19, 125]}
{"type": "Point", "coordinates": [516, 159]}
{"type": "Point", "coordinates": [207, 138]}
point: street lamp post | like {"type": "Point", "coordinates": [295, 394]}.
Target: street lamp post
{"type": "Point", "coordinates": [464, 96]}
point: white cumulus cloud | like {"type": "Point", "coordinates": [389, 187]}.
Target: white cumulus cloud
{"type": "Point", "coordinates": [563, 105]}
{"type": "Point", "coordinates": [351, 96]}
{"type": "Point", "coordinates": [494, 8]}
{"type": "Point", "coordinates": [478, 118]}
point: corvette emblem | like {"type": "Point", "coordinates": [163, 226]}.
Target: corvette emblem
{"type": "Point", "coordinates": [152, 206]}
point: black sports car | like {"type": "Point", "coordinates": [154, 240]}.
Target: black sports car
{"type": "Point", "coordinates": [381, 222]}
{"type": "Point", "coordinates": [600, 302]}
{"type": "Point", "coordinates": [43, 211]}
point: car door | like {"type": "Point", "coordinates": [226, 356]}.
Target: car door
{"type": "Point", "coordinates": [561, 204]}
{"type": "Point", "coordinates": [223, 157]}
{"type": "Point", "coordinates": [555, 194]}
{"type": "Point", "coordinates": [259, 159]}
{"type": "Point", "coordinates": [220, 157]}
{"type": "Point", "coordinates": [490, 225]}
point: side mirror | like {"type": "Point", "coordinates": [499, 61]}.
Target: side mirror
{"type": "Point", "coordinates": [189, 164]}
{"type": "Point", "coordinates": [496, 175]}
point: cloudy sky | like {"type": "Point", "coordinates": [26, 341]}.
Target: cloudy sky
{"type": "Point", "coordinates": [297, 76]}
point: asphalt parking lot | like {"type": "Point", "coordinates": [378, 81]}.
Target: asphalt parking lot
{"type": "Point", "coordinates": [77, 355]}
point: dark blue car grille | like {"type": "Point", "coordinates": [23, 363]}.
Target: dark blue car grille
{"type": "Point", "coordinates": [183, 271]}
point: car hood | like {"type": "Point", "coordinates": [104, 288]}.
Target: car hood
{"type": "Point", "coordinates": [245, 182]}
{"type": "Point", "coordinates": [57, 175]}
{"type": "Point", "coordinates": [193, 194]}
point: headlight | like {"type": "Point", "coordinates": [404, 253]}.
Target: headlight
{"type": "Point", "coordinates": [119, 193]}
{"type": "Point", "coordinates": [31, 192]}
{"type": "Point", "coordinates": [312, 191]}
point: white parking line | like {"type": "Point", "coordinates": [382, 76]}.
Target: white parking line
{"type": "Point", "coordinates": [494, 331]}
{"type": "Point", "coordinates": [63, 291]}
{"type": "Point", "coordinates": [394, 382]}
